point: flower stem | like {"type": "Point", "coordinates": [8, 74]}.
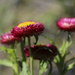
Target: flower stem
{"type": "Point", "coordinates": [69, 36]}
{"type": "Point", "coordinates": [31, 58]}
{"type": "Point", "coordinates": [23, 55]}
{"type": "Point", "coordinates": [16, 72]}
{"type": "Point", "coordinates": [50, 70]}
{"type": "Point", "coordinates": [22, 49]}
{"type": "Point", "coordinates": [39, 67]}
{"type": "Point", "coordinates": [23, 64]}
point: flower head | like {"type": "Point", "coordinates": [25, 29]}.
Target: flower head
{"type": "Point", "coordinates": [66, 24]}
{"type": "Point", "coordinates": [40, 52]}
{"type": "Point", "coordinates": [28, 28]}
{"type": "Point", "coordinates": [8, 38]}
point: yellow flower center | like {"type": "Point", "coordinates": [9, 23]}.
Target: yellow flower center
{"type": "Point", "coordinates": [41, 45]}
{"type": "Point", "coordinates": [24, 24]}
{"type": "Point", "coordinates": [67, 25]}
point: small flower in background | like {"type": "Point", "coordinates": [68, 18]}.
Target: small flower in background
{"type": "Point", "coordinates": [40, 52]}
{"type": "Point", "coordinates": [8, 38]}
{"type": "Point", "coordinates": [28, 28]}
{"type": "Point", "coordinates": [66, 24]}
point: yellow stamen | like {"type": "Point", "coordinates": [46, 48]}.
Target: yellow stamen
{"type": "Point", "coordinates": [24, 24]}
{"type": "Point", "coordinates": [66, 24]}
{"type": "Point", "coordinates": [40, 45]}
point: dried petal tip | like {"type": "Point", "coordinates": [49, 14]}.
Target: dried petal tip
{"type": "Point", "coordinates": [42, 52]}
{"type": "Point", "coordinates": [66, 24]}
{"type": "Point", "coordinates": [28, 28]}
{"type": "Point", "coordinates": [8, 38]}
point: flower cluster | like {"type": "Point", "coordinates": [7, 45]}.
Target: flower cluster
{"type": "Point", "coordinates": [41, 52]}
{"type": "Point", "coordinates": [8, 38]}
{"type": "Point", "coordinates": [28, 28]}
{"type": "Point", "coordinates": [66, 24]}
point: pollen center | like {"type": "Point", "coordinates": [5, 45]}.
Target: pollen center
{"type": "Point", "coordinates": [66, 24]}
{"type": "Point", "coordinates": [24, 24]}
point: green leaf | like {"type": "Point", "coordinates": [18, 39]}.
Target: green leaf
{"type": "Point", "coordinates": [11, 54]}
{"type": "Point", "coordinates": [36, 38]}
{"type": "Point", "coordinates": [10, 51]}
{"type": "Point", "coordinates": [3, 49]}
{"type": "Point", "coordinates": [6, 63]}
{"type": "Point", "coordinates": [70, 66]}
{"type": "Point", "coordinates": [70, 60]}
{"type": "Point", "coordinates": [25, 70]}
{"type": "Point", "coordinates": [58, 32]}
{"type": "Point", "coordinates": [56, 59]}
{"type": "Point", "coordinates": [63, 49]}
{"type": "Point", "coordinates": [50, 40]}
{"type": "Point", "coordinates": [51, 67]}
{"type": "Point", "coordinates": [43, 66]}
{"type": "Point", "coordinates": [66, 48]}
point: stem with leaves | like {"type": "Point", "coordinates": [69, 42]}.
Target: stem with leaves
{"type": "Point", "coordinates": [15, 64]}
{"type": "Point", "coordinates": [24, 66]}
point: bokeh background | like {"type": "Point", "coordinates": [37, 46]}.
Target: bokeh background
{"type": "Point", "coordinates": [13, 12]}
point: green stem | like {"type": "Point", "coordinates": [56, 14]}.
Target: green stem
{"type": "Point", "coordinates": [22, 49]}
{"type": "Point", "coordinates": [39, 67]}
{"type": "Point", "coordinates": [23, 63]}
{"type": "Point", "coordinates": [50, 70]}
{"type": "Point", "coordinates": [61, 66]}
{"type": "Point", "coordinates": [23, 55]}
{"type": "Point", "coordinates": [69, 37]}
{"type": "Point", "coordinates": [31, 58]}
{"type": "Point", "coordinates": [16, 72]}
{"type": "Point", "coordinates": [60, 72]}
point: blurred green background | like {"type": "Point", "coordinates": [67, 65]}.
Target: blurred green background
{"type": "Point", "coordinates": [13, 12]}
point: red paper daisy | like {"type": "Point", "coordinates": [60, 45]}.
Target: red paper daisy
{"type": "Point", "coordinates": [66, 24]}
{"type": "Point", "coordinates": [8, 38]}
{"type": "Point", "coordinates": [28, 28]}
{"type": "Point", "coordinates": [40, 52]}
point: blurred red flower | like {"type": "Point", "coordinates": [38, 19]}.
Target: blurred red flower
{"type": "Point", "coordinates": [66, 24]}
{"type": "Point", "coordinates": [8, 38]}
{"type": "Point", "coordinates": [40, 52]}
{"type": "Point", "coordinates": [28, 28]}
